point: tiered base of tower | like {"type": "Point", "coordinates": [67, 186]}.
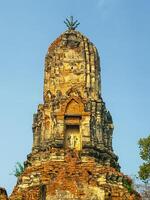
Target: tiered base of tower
{"type": "Point", "coordinates": [71, 177]}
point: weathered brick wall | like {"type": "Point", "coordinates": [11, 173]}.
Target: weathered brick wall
{"type": "Point", "coordinates": [71, 179]}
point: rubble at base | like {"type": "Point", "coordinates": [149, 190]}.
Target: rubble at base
{"type": "Point", "coordinates": [72, 179]}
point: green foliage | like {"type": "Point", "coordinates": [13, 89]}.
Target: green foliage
{"type": "Point", "coordinates": [19, 169]}
{"type": "Point", "coordinates": [127, 185]}
{"type": "Point", "coordinates": [144, 144]}
{"type": "Point", "coordinates": [71, 24]}
{"type": "Point", "coordinates": [144, 171]}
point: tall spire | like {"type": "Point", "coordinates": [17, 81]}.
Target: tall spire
{"type": "Point", "coordinates": [71, 24]}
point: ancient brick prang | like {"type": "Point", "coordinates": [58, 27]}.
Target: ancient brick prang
{"type": "Point", "coordinates": [73, 114]}
{"type": "Point", "coordinates": [72, 157]}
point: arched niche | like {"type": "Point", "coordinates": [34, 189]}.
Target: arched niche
{"type": "Point", "coordinates": [73, 108]}
{"type": "Point", "coordinates": [70, 104]}
{"type": "Point", "coordinates": [72, 133]}
{"type": "Point", "coordinates": [71, 120]}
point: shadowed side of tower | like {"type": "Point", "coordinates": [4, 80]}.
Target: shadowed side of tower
{"type": "Point", "coordinates": [72, 155]}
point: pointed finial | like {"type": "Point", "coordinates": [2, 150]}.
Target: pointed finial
{"type": "Point", "coordinates": [71, 24]}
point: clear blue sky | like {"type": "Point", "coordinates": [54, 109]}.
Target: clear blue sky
{"type": "Point", "coordinates": [121, 31]}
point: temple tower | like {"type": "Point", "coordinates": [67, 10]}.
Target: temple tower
{"type": "Point", "coordinates": [73, 114]}
{"type": "Point", "coordinates": [72, 156]}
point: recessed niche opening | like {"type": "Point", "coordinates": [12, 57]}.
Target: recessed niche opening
{"type": "Point", "coordinates": [72, 136]}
